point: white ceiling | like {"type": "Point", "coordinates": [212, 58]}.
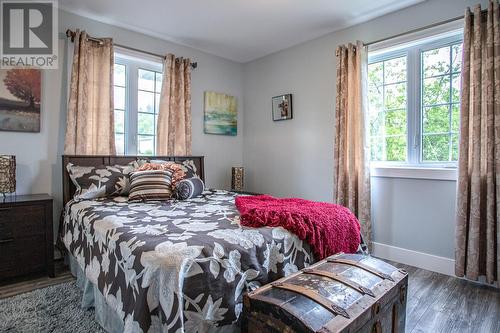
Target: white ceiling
{"type": "Point", "coordinates": [240, 30]}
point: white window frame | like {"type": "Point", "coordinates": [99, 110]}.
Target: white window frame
{"type": "Point", "coordinates": [133, 61]}
{"type": "Point", "coordinates": [412, 50]}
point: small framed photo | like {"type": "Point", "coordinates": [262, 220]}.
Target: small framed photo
{"type": "Point", "coordinates": [282, 107]}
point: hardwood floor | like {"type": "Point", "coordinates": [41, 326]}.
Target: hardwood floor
{"type": "Point", "coordinates": [29, 284]}
{"type": "Point", "coordinates": [436, 302]}
{"type": "Point", "coordinates": [442, 303]}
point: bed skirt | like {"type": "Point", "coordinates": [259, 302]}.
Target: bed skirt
{"type": "Point", "coordinates": [104, 314]}
{"type": "Point", "coordinates": [92, 297]}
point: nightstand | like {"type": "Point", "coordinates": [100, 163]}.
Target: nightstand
{"type": "Point", "coordinates": [26, 236]}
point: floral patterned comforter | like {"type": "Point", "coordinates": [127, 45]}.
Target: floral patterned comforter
{"type": "Point", "coordinates": [179, 265]}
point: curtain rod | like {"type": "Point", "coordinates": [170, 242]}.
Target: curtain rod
{"type": "Point", "coordinates": [429, 26]}
{"type": "Point", "coordinates": [71, 34]}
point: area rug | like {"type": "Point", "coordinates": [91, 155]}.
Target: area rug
{"type": "Point", "coordinates": [52, 309]}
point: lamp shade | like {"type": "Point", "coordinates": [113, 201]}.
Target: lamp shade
{"type": "Point", "coordinates": [7, 174]}
{"type": "Point", "coordinates": [237, 182]}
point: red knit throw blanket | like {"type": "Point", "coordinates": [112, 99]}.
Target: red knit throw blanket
{"type": "Point", "coordinates": [328, 228]}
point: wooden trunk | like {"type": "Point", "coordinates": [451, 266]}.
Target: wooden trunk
{"type": "Point", "coordinates": [343, 293]}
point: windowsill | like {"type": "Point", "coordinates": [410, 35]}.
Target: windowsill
{"type": "Point", "coordinates": [412, 172]}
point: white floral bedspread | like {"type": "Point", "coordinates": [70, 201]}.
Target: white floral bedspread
{"type": "Point", "coordinates": [177, 266]}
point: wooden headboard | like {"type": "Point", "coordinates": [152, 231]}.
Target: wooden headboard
{"type": "Point", "coordinates": [99, 160]}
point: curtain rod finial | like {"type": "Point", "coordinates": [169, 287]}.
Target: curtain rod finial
{"type": "Point", "coordinates": [71, 33]}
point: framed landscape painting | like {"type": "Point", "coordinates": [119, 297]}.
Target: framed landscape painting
{"type": "Point", "coordinates": [20, 99]}
{"type": "Point", "coordinates": [221, 114]}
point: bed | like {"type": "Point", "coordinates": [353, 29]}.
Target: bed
{"type": "Point", "coordinates": [175, 266]}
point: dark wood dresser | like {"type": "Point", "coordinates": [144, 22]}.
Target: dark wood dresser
{"type": "Point", "coordinates": [26, 236]}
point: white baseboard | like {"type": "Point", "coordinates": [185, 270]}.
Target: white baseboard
{"type": "Point", "coordinates": [413, 258]}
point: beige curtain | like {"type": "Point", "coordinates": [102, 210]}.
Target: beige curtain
{"type": "Point", "coordinates": [478, 196]}
{"type": "Point", "coordinates": [90, 118]}
{"type": "Point", "coordinates": [351, 159]}
{"type": "Point", "coordinates": [174, 118]}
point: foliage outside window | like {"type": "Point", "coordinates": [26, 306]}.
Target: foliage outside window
{"type": "Point", "coordinates": [388, 109]}
{"type": "Point", "coordinates": [414, 103]}
{"type": "Point", "coordinates": [137, 88]}
{"type": "Point", "coordinates": [147, 112]}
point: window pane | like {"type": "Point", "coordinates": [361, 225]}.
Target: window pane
{"type": "Point", "coordinates": [375, 98]}
{"type": "Point", "coordinates": [120, 144]}
{"type": "Point", "coordinates": [145, 101]}
{"type": "Point", "coordinates": [445, 90]}
{"type": "Point", "coordinates": [455, 86]}
{"type": "Point", "coordinates": [376, 151]}
{"type": "Point", "coordinates": [157, 103]}
{"type": "Point", "coordinates": [395, 122]}
{"type": "Point", "coordinates": [436, 90]}
{"type": "Point", "coordinates": [145, 123]}
{"type": "Point", "coordinates": [436, 148]}
{"type": "Point", "coordinates": [456, 57]}
{"type": "Point", "coordinates": [396, 148]}
{"type": "Point", "coordinates": [436, 119]}
{"type": "Point", "coordinates": [395, 70]}
{"type": "Point", "coordinates": [159, 78]}
{"type": "Point", "coordinates": [119, 98]}
{"type": "Point", "coordinates": [377, 124]}
{"type": "Point", "coordinates": [119, 121]}
{"type": "Point", "coordinates": [146, 80]}
{"type": "Point", "coordinates": [455, 117]}
{"type": "Point", "coordinates": [387, 109]}
{"type": "Point", "coordinates": [119, 75]}
{"type": "Point", "coordinates": [146, 145]}
{"type": "Point", "coordinates": [454, 147]}
{"type": "Point", "coordinates": [375, 74]}
{"type": "Point", "coordinates": [395, 96]}
{"type": "Point", "coordinates": [436, 62]}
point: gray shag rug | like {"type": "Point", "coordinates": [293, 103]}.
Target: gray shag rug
{"type": "Point", "coordinates": [52, 309]}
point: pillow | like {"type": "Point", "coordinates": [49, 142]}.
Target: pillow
{"type": "Point", "coordinates": [150, 185]}
{"type": "Point", "coordinates": [189, 188]}
{"type": "Point", "coordinates": [187, 166]}
{"type": "Point", "coordinates": [177, 171]}
{"type": "Point", "coordinates": [101, 181]}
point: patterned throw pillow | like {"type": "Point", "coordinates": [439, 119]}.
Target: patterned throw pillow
{"type": "Point", "coordinates": [178, 172]}
{"type": "Point", "coordinates": [189, 188]}
{"type": "Point", "coordinates": [189, 168]}
{"type": "Point", "coordinates": [150, 185]}
{"type": "Point", "coordinates": [101, 181]}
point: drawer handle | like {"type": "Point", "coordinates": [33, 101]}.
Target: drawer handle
{"type": "Point", "coordinates": [8, 240]}
{"type": "Point", "coordinates": [1, 209]}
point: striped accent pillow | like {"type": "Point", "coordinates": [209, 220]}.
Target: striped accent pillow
{"type": "Point", "coordinates": [150, 185]}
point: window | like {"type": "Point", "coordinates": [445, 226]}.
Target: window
{"type": "Point", "coordinates": [119, 101]}
{"type": "Point", "coordinates": [388, 109]}
{"type": "Point", "coordinates": [414, 103]}
{"type": "Point", "coordinates": [440, 84]}
{"type": "Point", "coordinates": [137, 87]}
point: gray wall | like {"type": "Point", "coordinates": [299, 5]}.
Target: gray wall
{"type": "Point", "coordinates": [295, 157]}
{"type": "Point", "coordinates": [39, 154]}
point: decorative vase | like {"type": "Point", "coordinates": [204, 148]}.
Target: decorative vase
{"type": "Point", "coordinates": [7, 174]}
{"type": "Point", "coordinates": [237, 176]}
